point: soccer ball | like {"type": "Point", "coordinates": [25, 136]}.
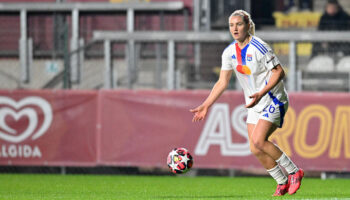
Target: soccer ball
{"type": "Point", "coordinates": [179, 160]}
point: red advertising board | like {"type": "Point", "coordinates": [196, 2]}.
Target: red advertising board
{"type": "Point", "coordinates": [316, 132]}
{"type": "Point", "coordinates": [48, 128]}
{"type": "Point", "coordinates": [139, 128]}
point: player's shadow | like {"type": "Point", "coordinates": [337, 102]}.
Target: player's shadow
{"type": "Point", "coordinates": [199, 197]}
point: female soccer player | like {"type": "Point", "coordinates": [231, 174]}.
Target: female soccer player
{"type": "Point", "coordinates": [260, 74]}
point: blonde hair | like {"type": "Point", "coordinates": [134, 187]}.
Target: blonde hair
{"type": "Point", "coordinates": [246, 18]}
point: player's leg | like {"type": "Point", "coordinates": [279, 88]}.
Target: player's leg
{"type": "Point", "coordinates": [262, 131]}
{"type": "Point", "coordinates": [260, 137]}
{"type": "Point", "coordinates": [266, 160]}
{"type": "Point", "coordinates": [270, 165]}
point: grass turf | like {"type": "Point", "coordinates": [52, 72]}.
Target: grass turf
{"type": "Point", "coordinates": [79, 187]}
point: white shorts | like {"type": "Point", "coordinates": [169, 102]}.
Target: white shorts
{"type": "Point", "coordinates": [274, 113]}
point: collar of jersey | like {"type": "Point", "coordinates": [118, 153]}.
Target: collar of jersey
{"type": "Point", "coordinates": [246, 44]}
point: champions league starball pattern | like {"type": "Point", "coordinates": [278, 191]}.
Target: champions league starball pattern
{"type": "Point", "coordinates": [179, 161]}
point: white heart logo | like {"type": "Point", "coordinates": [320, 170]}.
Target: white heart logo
{"type": "Point", "coordinates": [12, 135]}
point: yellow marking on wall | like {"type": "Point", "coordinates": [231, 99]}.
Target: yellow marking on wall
{"type": "Point", "coordinates": [303, 48]}
{"type": "Point", "coordinates": [281, 136]}
{"type": "Point", "coordinates": [341, 133]}
{"type": "Point", "coordinates": [301, 147]}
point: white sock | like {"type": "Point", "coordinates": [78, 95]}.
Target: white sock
{"type": "Point", "coordinates": [287, 163]}
{"type": "Point", "coordinates": [278, 175]}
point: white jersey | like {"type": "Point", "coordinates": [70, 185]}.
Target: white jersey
{"type": "Point", "coordinates": [252, 66]}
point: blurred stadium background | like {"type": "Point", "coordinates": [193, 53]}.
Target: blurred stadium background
{"type": "Point", "coordinates": [155, 52]}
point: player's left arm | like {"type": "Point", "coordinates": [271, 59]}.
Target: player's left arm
{"type": "Point", "coordinates": [271, 63]}
{"type": "Point", "coordinates": [276, 76]}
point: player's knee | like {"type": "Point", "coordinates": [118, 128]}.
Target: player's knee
{"type": "Point", "coordinates": [258, 144]}
{"type": "Point", "coordinates": [255, 151]}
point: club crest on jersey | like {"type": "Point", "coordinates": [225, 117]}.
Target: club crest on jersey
{"type": "Point", "coordinates": [233, 56]}
{"type": "Point", "coordinates": [243, 69]}
{"type": "Point", "coordinates": [249, 57]}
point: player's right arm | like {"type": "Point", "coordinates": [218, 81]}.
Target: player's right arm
{"type": "Point", "coordinates": [201, 111]}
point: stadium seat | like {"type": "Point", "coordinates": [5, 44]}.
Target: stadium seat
{"type": "Point", "coordinates": [343, 65]}
{"type": "Point", "coordinates": [320, 75]}
{"type": "Point", "coordinates": [321, 63]}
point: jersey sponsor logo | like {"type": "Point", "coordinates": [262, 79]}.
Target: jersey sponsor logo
{"type": "Point", "coordinates": [241, 59]}
{"type": "Point", "coordinates": [233, 56]}
{"type": "Point", "coordinates": [249, 57]}
{"type": "Point", "coordinates": [243, 69]}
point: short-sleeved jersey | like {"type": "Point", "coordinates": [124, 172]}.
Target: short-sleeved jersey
{"type": "Point", "coordinates": [252, 66]}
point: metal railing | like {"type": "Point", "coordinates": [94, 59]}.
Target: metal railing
{"type": "Point", "coordinates": [25, 43]}
{"type": "Point", "coordinates": [211, 36]}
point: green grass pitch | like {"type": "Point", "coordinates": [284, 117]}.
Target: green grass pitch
{"type": "Point", "coordinates": [79, 187]}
